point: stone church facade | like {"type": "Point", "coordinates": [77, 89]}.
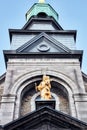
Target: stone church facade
{"type": "Point", "coordinates": [43, 47]}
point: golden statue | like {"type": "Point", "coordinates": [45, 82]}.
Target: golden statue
{"type": "Point", "coordinates": [44, 88]}
{"type": "Point", "coordinates": [41, 1]}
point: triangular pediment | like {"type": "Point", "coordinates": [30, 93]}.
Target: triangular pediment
{"type": "Point", "coordinates": [46, 118]}
{"type": "Point", "coordinates": [43, 43]}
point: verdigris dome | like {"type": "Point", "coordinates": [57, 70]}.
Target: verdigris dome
{"type": "Point", "coordinates": [38, 8]}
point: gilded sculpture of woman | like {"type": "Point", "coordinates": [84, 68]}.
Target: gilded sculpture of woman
{"type": "Point", "coordinates": [44, 88]}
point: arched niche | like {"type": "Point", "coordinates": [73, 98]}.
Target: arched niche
{"type": "Point", "coordinates": [26, 82]}
{"type": "Point", "coordinates": [29, 95]}
{"type": "Point", "coordinates": [42, 15]}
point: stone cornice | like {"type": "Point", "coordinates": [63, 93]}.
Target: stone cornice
{"type": "Point", "coordinates": [77, 54]}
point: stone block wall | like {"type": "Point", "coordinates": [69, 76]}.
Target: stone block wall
{"type": "Point", "coordinates": [85, 84]}
{"type": "Point", "coordinates": [85, 81]}
{"type": "Point", "coordinates": [1, 90]}
{"type": "Point", "coordinates": [2, 82]}
{"type": "Point", "coordinates": [27, 101]}
{"type": "Point", "coordinates": [19, 73]}
{"type": "Point", "coordinates": [81, 106]}
{"type": "Point", "coordinates": [67, 67]}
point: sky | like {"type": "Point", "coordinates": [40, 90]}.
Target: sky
{"type": "Point", "coordinates": [72, 16]}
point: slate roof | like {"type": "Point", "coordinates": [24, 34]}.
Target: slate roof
{"type": "Point", "coordinates": [49, 19]}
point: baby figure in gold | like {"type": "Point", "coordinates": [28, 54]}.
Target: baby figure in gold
{"type": "Point", "coordinates": [44, 88]}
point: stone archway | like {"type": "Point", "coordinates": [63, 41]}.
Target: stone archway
{"type": "Point", "coordinates": [19, 84]}
{"type": "Point", "coordinates": [58, 92]}
{"type": "Point", "coordinates": [26, 79]}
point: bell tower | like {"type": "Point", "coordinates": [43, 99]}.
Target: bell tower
{"type": "Point", "coordinates": [43, 47]}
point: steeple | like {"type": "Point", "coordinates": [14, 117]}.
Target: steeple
{"type": "Point", "coordinates": [41, 7]}
{"type": "Point", "coordinates": [42, 52]}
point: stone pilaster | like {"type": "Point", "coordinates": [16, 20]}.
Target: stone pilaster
{"type": "Point", "coordinates": [81, 106]}
{"type": "Point", "coordinates": [7, 108]}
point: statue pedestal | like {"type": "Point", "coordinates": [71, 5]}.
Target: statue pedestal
{"type": "Point", "coordinates": [41, 103]}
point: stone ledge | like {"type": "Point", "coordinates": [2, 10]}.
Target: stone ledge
{"type": "Point", "coordinates": [43, 103]}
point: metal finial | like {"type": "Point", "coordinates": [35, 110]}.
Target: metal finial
{"type": "Point", "coordinates": [41, 1]}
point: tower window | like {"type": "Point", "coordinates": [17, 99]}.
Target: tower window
{"type": "Point", "coordinates": [42, 15]}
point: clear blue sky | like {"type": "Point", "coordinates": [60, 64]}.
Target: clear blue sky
{"type": "Point", "coordinates": [72, 16]}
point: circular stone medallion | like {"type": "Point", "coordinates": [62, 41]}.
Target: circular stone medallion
{"type": "Point", "coordinates": [43, 47]}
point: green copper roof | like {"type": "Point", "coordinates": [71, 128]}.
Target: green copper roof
{"type": "Point", "coordinates": [41, 7]}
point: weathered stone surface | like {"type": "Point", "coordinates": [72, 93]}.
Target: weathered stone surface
{"type": "Point", "coordinates": [23, 72]}
{"type": "Point", "coordinates": [26, 103]}
{"type": "Point", "coordinates": [63, 101]}
{"type": "Point", "coordinates": [23, 66]}
{"type": "Point", "coordinates": [2, 82]}
{"type": "Point", "coordinates": [84, 76]}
